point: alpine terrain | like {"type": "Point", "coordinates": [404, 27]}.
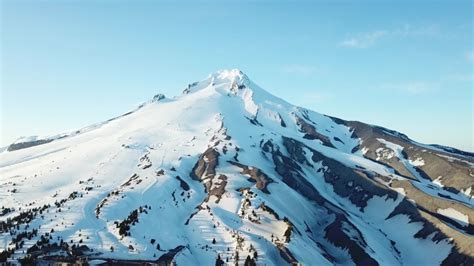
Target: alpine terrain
{"type": "Point", "coordinates": [226, 174]}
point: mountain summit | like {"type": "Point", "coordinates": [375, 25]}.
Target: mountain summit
{"type": "Point", "coordinates": [227, 173]}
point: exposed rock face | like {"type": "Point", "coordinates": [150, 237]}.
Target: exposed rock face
{"type": "Point", "coordinates": [24, 145]}
{"type": "Point", "coordinates": [219, 189]}
{"type": "Point", "coordinates": [168, 258]}
{"type": "Point", "coordinates": [287, 256]}
{"type": "Point", "coordinates": [353, 243]}
{"type": "Point", "coordinates": [453, 168]}
{"type": "Point", "coordinates": [290, 173]}
{"type": "Point", "coordinates": [158, 97]}
{"type": "Point", "coordinates": [205, 168]}
{"type": "Point", "coordinates": [311, 132]}
{"type": "Point", "coordinates": [182, 183]}
{"type": "Point", "coordinates": [347, 182]}
{"type": "Point", "coordinates": [256, 175]}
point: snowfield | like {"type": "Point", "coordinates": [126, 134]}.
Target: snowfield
{"type": "Point", "coordinates": [229, 173]}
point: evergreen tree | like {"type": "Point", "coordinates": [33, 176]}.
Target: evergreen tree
{"type": "Point", "coordinates": [219, 261]}
{"type": "Point", "coordinates": [249, 261]}
{"type": "Point", "coordinates": [236, 258]}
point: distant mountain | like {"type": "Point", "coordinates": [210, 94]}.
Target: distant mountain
{"type": "Point", "coordinates": [227, 173]}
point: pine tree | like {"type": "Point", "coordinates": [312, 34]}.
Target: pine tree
{"type": "Point", "coordinates": [249, 261]}
{"type": "Point", "coordinates": [236, 258]}
{"type": "Point", "coordinates": [219, 261]}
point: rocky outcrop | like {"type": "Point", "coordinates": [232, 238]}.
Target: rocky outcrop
{"type": "Point", "coordinates": [286, 254]}
{"type": "Point", "coordinates": [311, 132]}
{"type": "Point", "coordinates": [205, 168]}
{"type": "Point", "coordinates": [354, 184]}
{"type": "Point", "coordinates": [291, 173]}
{"type": "Point", "coordinates": [182, 183]}
{"type": "Point", "coordinates": [158, 97]}
{"type": "Point", "coordinates": [24, 145]}
{"type": "Point", "coordinates": [218, 189]}
{"type": "Point", "coordinates": [168, 258]}
{"type": "Point", "coordinates": [352, 243]}
{"type": "Point", "coordinates": [453, 167]}
{"type": "Point", "coordinates": [256, 175]}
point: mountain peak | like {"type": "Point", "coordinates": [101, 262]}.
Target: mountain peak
{"type": "Point", "coordinates": [235, 77]}
{"type": "Point", "coordinates": [230, 79]}
{"type": "Point", "coordinates": [230, 74]}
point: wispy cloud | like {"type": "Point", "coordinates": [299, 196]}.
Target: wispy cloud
{"type": "Point", "coordinates": [368, 39]}
{"type": "Point", "coordinates": [413, 87]}
{"type": "Point", "coordinates": [299, 69]}
{"type": "Point", "coordinates": [364, 40]}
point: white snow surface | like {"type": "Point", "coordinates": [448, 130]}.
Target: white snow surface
{"type": "Point", "coordinates": [456, 215]}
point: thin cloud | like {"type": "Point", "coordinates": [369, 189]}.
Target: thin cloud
{"type": "Point", "coordinates": [364, 40]}
{"type": "Point", "coordinates": [413, 87]}
{"type": "Point", "coordinates": [369, 39]}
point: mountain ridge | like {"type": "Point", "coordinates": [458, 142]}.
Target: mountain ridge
{"type": "Point", "coordinates": [228, 173]}
{"type": "Point", "coordinates": [240, 79]}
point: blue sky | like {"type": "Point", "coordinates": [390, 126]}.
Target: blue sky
{"type": "Point", "coordinates": [405, 65]}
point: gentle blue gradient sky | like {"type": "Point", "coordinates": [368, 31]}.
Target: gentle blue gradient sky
{"type": "Point", "coordinates": [406, 65]}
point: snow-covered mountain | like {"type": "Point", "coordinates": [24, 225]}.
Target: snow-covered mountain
{"type": "Point", "coordinates": [229, 173]}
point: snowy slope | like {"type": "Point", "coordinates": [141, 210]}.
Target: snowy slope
{"type": "Point", "coordinates": [229, 173]}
